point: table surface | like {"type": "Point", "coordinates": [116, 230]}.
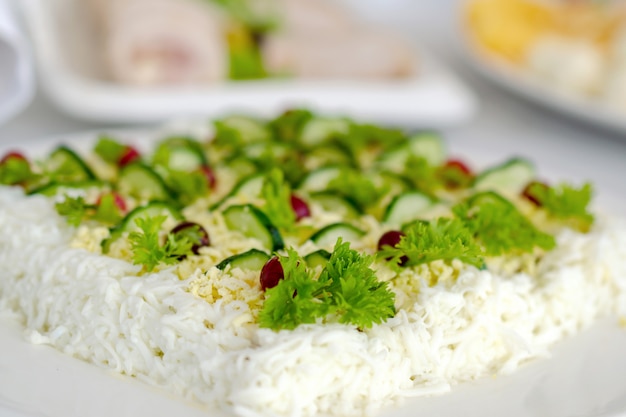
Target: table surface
{"type": "Point", "coordinates": [505, 124]}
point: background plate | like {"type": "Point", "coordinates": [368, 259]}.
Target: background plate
{"type": "Point", "coordinates": [70, 75]}
{"type": "Point", "coordinates": [523, 84]}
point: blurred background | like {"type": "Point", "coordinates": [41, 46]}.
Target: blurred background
{"type": "Point", "coordinates": [545, 79]}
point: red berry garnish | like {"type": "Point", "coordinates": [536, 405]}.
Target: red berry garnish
{"type": "Point", "coordinates": [196, 234]}
{"type": "Point", "coordinates": [129, 155]}
{"type": "Point", "coordinates": [300, 207]}
{"type": "Point", "coordinates": [209, 174]}
{"type": "Point", "coordinates": [392, 238]}
{"type": "Point", "coordinates": [271, 274]}
{"type": "Point", "coordinates": [530, 190]}
{"type": "Point", "coordinates": [12, 155]}
{"type": "Point", "coordinates": [117, 199]}
{"type": "Point", "coordinates": [460, 165]}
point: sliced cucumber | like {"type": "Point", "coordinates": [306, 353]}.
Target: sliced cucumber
{"type": "Point", "coordinates": [317, 258]}
{"type": "Point", "coordinates": [274, 150]}
{"type": "Point", "coordinates": [179, 154]}
{"type": "Point", "coordinates": [327, 155]}
{"type": "Point", "coordinates": [251, 186]}
{"type": "Point", "coordinates": [510, 177]}
{"type": "Point", "coordinates": [246, 129]}
{"type": "Point", "coordinates": [142, 182]}
{"type": "Point", "coordinates": [393, 182]}
{"type": "Point", "coordinates": [336, 203]}
{"type": "Point", "coordinates": [128, 223]}
{"type": "Point", "coordinates": [322, 129]}
{"type": "Point", "coordinates": [252, 222]}
{"type": "Point", "coordinates": [57, 188]}
{"type": "Point", "coordinates": [428, 146]}
{"type": "Point", "coordinates": [406, 207]}
{"type": "Point", "coordinates": [327, 236]}
{"type": "Point", "coordinates": [253, 259]}
{"type": "Point", "coordinates": [319, 179]}
{"type": "Point", "coordinates": [65, 165]}
{"type": "Point", "coordinates": [241, 167]}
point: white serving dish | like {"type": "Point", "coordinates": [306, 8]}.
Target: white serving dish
{"type": "Point", "coordinates": [522, 83]}
{"type": "Point", "coordinates": [71, 75]}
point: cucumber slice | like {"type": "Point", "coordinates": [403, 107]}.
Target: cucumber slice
{"type": "Point", "coordinates": [510, 177]}
{"type": "Point", "coordinates": [128, 223]}
{"type": "Point", "coordinates": [327, 236]}
{"type": "Point", "coordinates": [65, 165]}
{"type": "Point", "coordinates": [319, 179]}
{"type": "Point", "coordinates": [317, 258]}
{"type": "Point", "coordinates": [427, 145]}
{"type": "Point", "coordinates": [406, 207]}
{"type": "Point", "coordinates": [142, 182]}
{"type": "Point", "coordinates": [275, 150]}
{"type": "Point", "coordinates": [253, 259]}
{"type": "Point", "coordinates": [335, 203]}
{"type": "Point", "coordinates": [56, 188]}
{"type": "Point", "coordinates": [241, 167]}
{"type": "Point", "coordinates": [252, 222]}
{"type": "Point", "coordinates": [246, 129]}
{"type": "Point", "coordinates": [179, 154]}
{"type": "Point", "coordinates": [322, 129]}
{"type": "Point", "coordinates": [327, 155]}
{"type": "Point", "coordinates": [250, 186]}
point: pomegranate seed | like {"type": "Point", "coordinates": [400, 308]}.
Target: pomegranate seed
{"type": "Point", "coordinates": [129, 155]}
{"type": "Point", "coordinates": [196, 233]}
{"type": "Point", "coordinates": [532, 197]}
{"type": "Point", "coordinates": [12, 155]}
{"type": "Point", "coordinates": [117, 199]}
{"type": "Point", "coordinates": [392, 238]}
{"type": "Point", "coordinates": [271, 274]}
{"type": "Point", "coordinates": [209, 174]}
{"type": "Point", "coordinates": [300, 207]}
{"type": "Point", "coordinates": [455, 163]}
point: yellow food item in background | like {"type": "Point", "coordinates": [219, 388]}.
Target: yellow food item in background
{"type": "Point", "coordinates": [509, 27]}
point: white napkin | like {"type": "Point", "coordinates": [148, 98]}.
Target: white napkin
{"type": "Point", "coordinates": [16, 65]}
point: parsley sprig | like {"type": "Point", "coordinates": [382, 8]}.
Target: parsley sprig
{"type": "Point", "coordinates": [566, 203]}
{"type": "Point", "coordinates": [442, 239]}
{"type": "Point", "coordinates": [76, 209]}
{"type": "Point", "coordinates": [346, 291]}
{"type": "Point", "coordinates": [277, 195]}
{"type": "Point", "coordinates": [500, 228]}
{"type": "Point", "coordinates": [146, 244]}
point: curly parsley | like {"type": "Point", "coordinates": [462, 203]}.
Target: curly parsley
{"type": "Point", "coordinates": [346, 291]}
{"type": "Point", "coordinates": [499, 226]}
{"type": "Point", "coordinates": [442, 239]}
{"type": "Point", "coordinates": [147, 248]}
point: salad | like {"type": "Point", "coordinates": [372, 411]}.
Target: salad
{"type": "Point", "coordinates": [330, 218]}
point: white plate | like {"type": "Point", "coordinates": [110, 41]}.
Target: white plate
{"type": "Point", "coordinates": [69, 73]}
{"type": "Point", "coordinates": [522, 83]}
{"type": "Point", "coordinates": [584, 378]}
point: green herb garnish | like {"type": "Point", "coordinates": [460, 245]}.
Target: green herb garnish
{"type": "Point", "coordinates": [499, 226]}
{"type": "Point", "coordinates": [565, 203]}
{"type": "Point", "coordinates": [147, 248]}
{"type": "Point", "coordinates": [347, 291]}
{"type": "Point", "coordinates": [442, 239]}
{"type": "Point", "coordinates": [277, 195]}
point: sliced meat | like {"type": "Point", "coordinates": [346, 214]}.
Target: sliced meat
{"type": "Point", "coordinates": [149, 42]}
{"type": "Point", "coordinates": [360, 53]}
